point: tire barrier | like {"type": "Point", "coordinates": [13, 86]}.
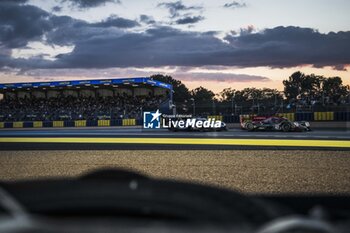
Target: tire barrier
{"type": "Point", "coordinates": [129, 122]}
{"type": "Point", "coordinates": [216, 117]}
{"type": "Point", "coordinates": [323, 116]}
{"type": "Point", "coordinates": [80, 123]}
{"type": "Point", "coordinates": [37, 124]}
{"type": "Point", "coordinates": [58, 124]}
{"type": "Point", "coordinates": [17, 124]}
{"type": "Point", "coordinates": [104, 123]}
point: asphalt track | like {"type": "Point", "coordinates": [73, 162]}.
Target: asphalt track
{"type": "Point", "coordinates": [297, 162]}
{"type": "Point", "coordinates": [137, 138]}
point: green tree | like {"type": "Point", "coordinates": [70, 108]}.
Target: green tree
{"type": "Point", "coordinates": [334, 89]}
{"type": "Point", "coordinates": [204, 100]}
{"type": "Point", "coordinates": [181, 92]}
{"type": "Point", "coordinates": [227, 94]}
{"type": "Point", "coordinates": [293, 86]}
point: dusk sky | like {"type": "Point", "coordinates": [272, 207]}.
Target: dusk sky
{"type": "Point", "coordinates": [215, 44]}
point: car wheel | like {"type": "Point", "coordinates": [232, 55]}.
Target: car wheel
{"type": "Point", "coordinates": [249, 126]}
{"type": "Point", "coordinates": [286, 127]}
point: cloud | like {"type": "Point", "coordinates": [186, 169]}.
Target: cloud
{"type": "Point", "coordinates": [165, 46]}
{"type": "Point", "coordinates": [112, 43]}
{"type": "Point", "coordinates": [115, 21]}
{"type": "Point", "coordinates": [189, 20]}
{"type": "Point", "coordinates": [291, 46]}
{"type": "Point", "coordinates": [175, 8]}
{"type": "Point", "coordinates": [147, 19]}
{"type": "Point", "coordinates": [13, 1]}
{"type": "Point", "coordinates": [22, 23]}
{"type": "Point", "coordinates": [220, 77]}
{"type": "Point", "coordinates": [56, 9]}
{"type": "Point", "coordinates": [235, 4]}
{"type": "Point", "coordinates": [70, 31]}
{"type": "Point", "coordinates": [89, 3]}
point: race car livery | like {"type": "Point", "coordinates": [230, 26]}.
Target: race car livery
{"type": "Point", "coordinates": [275, 124]}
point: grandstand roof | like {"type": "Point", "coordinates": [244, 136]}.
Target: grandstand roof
{"type": "Point", "coordinates": [96, 82]}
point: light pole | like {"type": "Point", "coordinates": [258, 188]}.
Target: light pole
{"type": "Point", "coordinates": [232, 105]}
{"type": "Point", "coordinates": [282, 101]}
{"type": "Point", "coordinates": [232, 102]}
{"type": "Point", "coordinates": [214, 106]}
{"type": "Point", "coordinates": [194, 106]}
{"type": "Point", "coordinates": [275, 107]}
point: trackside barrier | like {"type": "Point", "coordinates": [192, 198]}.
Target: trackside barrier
{"type": "Point", "coordinates": [139, 121]}
{"type": "Point", "coordinates": [216, 117]}
{"type": "Point", "coordinates": [58, 124]}
{"type": "Point", "coordinates": [304, 116]}
{"type": "Point", "coordinates": [37, 124]}
{"type": "Point", "coordinates": [91, 123]}
{"type": "Point", "coordinates": [231, 119]}
{"type": "Point", "coordinates": [308, 116]}
{"type": "Point", "coordinates": [27, 124]}
{"type": "Point", "coordinates": [323, 116]}
{"type": "Point", "coordinates": [103, 123]}
{"type": "Point", "coordinates": [129, 122]}
{"type": "Point", "coordinates": [80, 123]}
{"type": "Point", "coordinates": [8, 124]}
{"type": "Point", "coordinates": [17, 124]}
{"type": "Point", "coordinates": [68, 123]}
{"type": "Point", "coordinates": [342, 116]}
{"type": "Point", "coordinates": [117, 122]}
{"type": "Point", "coordinates": [289, 116]}
{"type": "Point", "coordinates": [47, 124]}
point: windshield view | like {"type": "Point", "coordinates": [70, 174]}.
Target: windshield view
{"type": "Point", "coordinates": [174, 116]}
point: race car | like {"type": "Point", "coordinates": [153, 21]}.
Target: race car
{"type": "Point", "coordinates": [275, 124]}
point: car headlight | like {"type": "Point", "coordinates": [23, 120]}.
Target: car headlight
{"type": "Point", "coordinates": [296, 124]}
{"type": "Point", "coordinates": [307, 124]}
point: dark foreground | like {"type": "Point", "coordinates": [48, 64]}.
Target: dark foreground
{"type": "Point", "coordinates": [252, 171]}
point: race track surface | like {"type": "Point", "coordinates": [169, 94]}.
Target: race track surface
{"type": "Point", "coordinates": [138, 132]}
{"type": "Point", "coordinates": [238, 165]}
{"type": "Point", "coordinates": [136, 138]}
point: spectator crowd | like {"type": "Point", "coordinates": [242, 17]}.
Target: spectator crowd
{"type": "Point", "coordinates": [76, 108]}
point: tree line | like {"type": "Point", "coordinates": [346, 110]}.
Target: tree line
{"type": "Point", "coordinates": [302, 92]}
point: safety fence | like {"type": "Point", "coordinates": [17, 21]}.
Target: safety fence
{"type": "Point", "coordinates": [308, 116]}
{"type": "Point", "coordinates": [312, 116]}
{"type": "Point", "coordinates": [76, 123]}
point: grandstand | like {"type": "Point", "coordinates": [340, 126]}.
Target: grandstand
{"type": "Point", "coordinates": [101, 102]}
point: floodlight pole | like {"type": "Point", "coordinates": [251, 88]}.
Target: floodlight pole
{"type": "Point", "coordinates": [232, 105]}
{"type": "Point", "coordinates": [194, 106]}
